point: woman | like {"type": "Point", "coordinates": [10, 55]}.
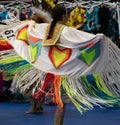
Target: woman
{"type": "Point", "coordinates": [79, 65]}
{"type": "Point", "coordinates": [59, 15]}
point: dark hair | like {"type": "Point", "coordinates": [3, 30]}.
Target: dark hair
{"type": "Point", "coordinates": [57, 15]}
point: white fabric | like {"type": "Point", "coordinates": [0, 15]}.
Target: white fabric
{"type": "Point", "coordinates": [70, 38]}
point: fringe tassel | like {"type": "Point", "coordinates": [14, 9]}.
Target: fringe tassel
{"type": "Point", "coordinates": [95, 87]}
{"type": "Point", "coordinates": [44, 87]}
{"type": "Point", "coordinates": [57, 84]}
{"type": "Point", "coordinates": [76, 98]}
{"type": "Point", "coordinates": [30, 81]}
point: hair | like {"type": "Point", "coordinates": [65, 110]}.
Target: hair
{"type": "Point", "coordinates": [57, 14]}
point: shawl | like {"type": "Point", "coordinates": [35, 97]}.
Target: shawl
{"type": "Point", "coordinates": [87, 66]}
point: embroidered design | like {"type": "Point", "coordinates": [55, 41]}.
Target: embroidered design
{"type": "Point", "coordinates": [56, 34]}
{"type": "Point", "coordinates": [90, 53]}
{"type": "Point", "coordinates": [35, 47]}
{"type": "Point", "coordinates": [58, 56]}
{"type": "Point", "coordinates": [22, 34]}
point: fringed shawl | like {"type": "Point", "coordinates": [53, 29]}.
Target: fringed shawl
{"type": "Point", "coordinates": [87, 66]}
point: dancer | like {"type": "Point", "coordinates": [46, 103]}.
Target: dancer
{"type": "Point", "coordinates": [83, 66]}
{"type": "Point", "coordinates": [59, 15]}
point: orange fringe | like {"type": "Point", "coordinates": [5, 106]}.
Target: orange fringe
{"type": "Point", "coordinates": [56, 89]}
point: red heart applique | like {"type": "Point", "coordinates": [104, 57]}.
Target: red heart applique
{"type": "Point", "coordinates": [59, 56]}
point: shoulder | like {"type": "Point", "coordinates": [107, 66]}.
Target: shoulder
{"type": "Point", "coordinates": [40, 29]}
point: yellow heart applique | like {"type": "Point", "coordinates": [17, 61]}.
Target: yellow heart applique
{"type": "Point", "coordinates": [59, 56]}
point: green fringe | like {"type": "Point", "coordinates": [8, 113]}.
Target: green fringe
{"type": "Point", "coordinates": [9, 74]}
{"type": "Point", "coordinates": [94, 87]}
{"type": "Point", "coordinates": [101, 85]}
{"type": "Point", "coordinates": [76, 98]}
